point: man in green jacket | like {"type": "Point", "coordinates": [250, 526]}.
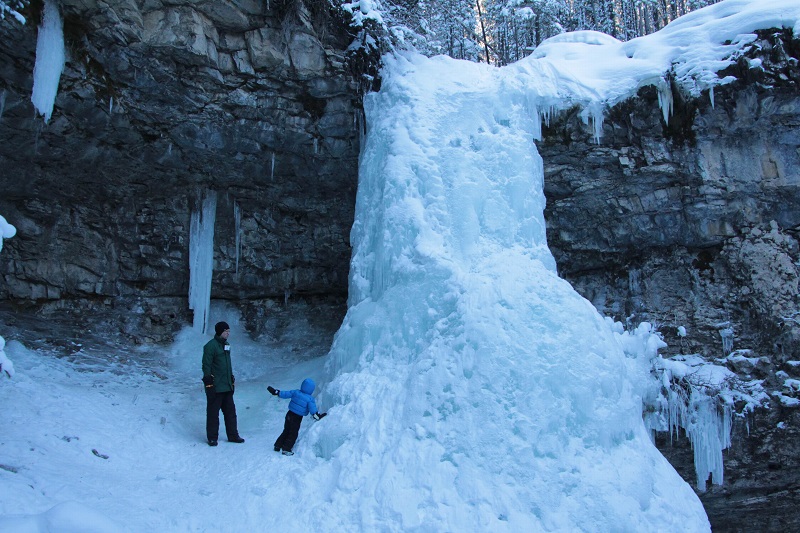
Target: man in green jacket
{"type": "Point", "coordinates": [218, 379]}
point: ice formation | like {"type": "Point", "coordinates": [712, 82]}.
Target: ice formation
{"type": "Point", "coordinates": [484, 390]}
{"type": "Point", "coordinates": [49, 60]}
{"type": "Point", "coordinates": [237, 221]}
{"type": "Point", "coordinates": [201, 259]}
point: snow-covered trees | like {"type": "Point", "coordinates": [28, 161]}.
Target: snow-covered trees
{"type": "Point", "coordinates": [504, 31]}
{"type": "Point", "coordinates": [521, 25]}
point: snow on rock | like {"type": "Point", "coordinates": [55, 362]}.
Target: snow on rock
{"type": "Point", "coordinates": [6, 365]}
{"type": "Point", "coordinates": [6, 230]}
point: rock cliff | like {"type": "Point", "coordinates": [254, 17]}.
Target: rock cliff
{"type": "Point", "coordinates": [693, 225]}
{"type": "Point", "coordinates": [159, 102]}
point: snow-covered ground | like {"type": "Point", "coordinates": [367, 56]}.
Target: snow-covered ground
{"type": "Point", "coordinates": [468, 389]}
{"type": "Point", "coordinates": [117, 442]}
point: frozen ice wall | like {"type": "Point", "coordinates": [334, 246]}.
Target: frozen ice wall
{"type": "Point", "coordinates": [473, 389]}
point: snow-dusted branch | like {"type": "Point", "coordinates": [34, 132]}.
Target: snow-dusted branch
{"type": "Point", "coordinates": [13, 8]}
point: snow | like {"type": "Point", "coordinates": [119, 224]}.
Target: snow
{"type": "Point", "coordinates": [585, 68]}
{"type": "Point", "coordinates": [6, 230]}
{"type": "Point", "coordinates": [49, 60]}
{"type": "Point", "coordinates": [469, 388]}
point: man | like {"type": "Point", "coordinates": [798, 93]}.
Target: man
{"type": "Point", "coordinates": [218, 379]}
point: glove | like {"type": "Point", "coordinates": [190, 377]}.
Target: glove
{"type": "Point", "coordinates": [208, 381]}
{"type": "Point", "coordinates": [319, 416]}
{"type": "Point", "coordinates": [273, 390]}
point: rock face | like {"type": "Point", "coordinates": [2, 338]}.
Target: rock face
{"type": "Point", "coordinates": [695, 224]}
{"type": "Point", "coordinates": [159, 102]}
{"type": "Point", "coordinates": [691, 224]}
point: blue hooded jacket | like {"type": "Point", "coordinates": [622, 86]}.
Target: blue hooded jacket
{"type": "Point", "coordinates": [302, 403]}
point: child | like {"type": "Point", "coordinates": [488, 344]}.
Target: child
{"type": "Point", "coordinates": [301, 405]}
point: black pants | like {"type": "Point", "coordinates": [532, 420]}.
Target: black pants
{"type": "Point", "coordinates": [215, 402]}
{"type": "Point", "coordinates": [291, 427]}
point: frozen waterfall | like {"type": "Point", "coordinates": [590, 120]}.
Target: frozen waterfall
{"type": "Point", "coordinates": [487, 394]}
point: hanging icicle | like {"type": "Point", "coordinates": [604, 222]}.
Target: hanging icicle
{"type": "Point", "coordinates": [201, 259]}
{"type": "Point", "coordinates": [237, 220]}
{"type": "Point", "coordinates": [49, 60]}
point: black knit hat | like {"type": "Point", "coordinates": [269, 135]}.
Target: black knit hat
{"type": "Point", "coordinates": [220, 327]}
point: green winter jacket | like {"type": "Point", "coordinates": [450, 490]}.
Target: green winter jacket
{"type": "Point", "coordinates": [217, 363]}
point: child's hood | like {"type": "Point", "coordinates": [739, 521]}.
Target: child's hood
{"type": "Point", "coordinates": [308, 386]}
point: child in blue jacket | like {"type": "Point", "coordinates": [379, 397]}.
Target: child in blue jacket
{"type": "Point", "coordinates": [302, 404]}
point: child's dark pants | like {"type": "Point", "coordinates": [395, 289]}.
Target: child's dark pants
{"type": "Point", "coordinates": [290, 429]}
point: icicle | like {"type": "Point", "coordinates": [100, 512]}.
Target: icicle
{"type": "Point", "coordinates": [665, 100]}
{"type": "Point", "coordinates": [111, 105]}
{"type": "Point", "coordinates": [532, 106]}
{"type": "Point", "coordinates": [237, 221]}
{"type": "Point", "coordinates": [201, 259]}
{"type": "Point", "coordinates": [2, 103]}
{"type": "Point", "coordinates": [286, 295]}
{"type": "Point", "coordinates": [548, 114]}
{"type": "Point", "coordinates": [727, 340]}
{"type": "Point", "coordinates": [49, 60]}
{"type": "Point", "coordinates": [272, 168]}
{"type": "Point", "coordinates": [707, 426]}
{"type": "Point", "coordinates": [710, 433]}
{"type": "Point", "coordinates": [537, 122]}
{"type": "Point", "coordinates": [593, 114]}
{"type": "Point", "coordinates": [316, 145]}
{"type": "Point", "coordinates": [711, 95]}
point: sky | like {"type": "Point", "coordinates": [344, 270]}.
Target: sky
{"type": "Point", "coordinates": [469, 388]}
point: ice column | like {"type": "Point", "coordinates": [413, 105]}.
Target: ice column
{"type": "Point", "coordinates": [201, 259]}
{"type": "Point", "coordinates": [665, 100]}
{"type": "Point", "coordinates": [727, 340]}
{"type": "Point", "coordinates": [593, 114]}
{"type": "Point", "coordinates": [49, 60]}
{"type": "Point", "coordinates": [237, 219]}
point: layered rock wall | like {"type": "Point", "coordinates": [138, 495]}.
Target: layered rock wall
{"type": "Point", "coordinates": [160, 101]}
{"type": "Point", "coordinates": [693, 226]}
